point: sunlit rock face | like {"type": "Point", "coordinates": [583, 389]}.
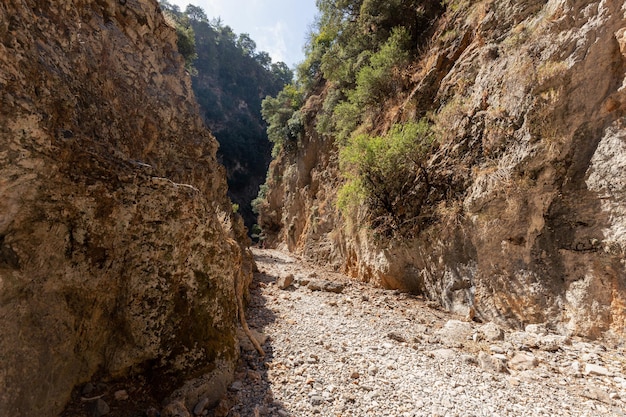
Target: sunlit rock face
{"type": "Point", "coordinates": [527, 99]}
{"type": "Point", "coordinates": [118, 254]}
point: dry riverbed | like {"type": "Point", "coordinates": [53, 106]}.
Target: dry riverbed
{"type": "Point", "coordinates": [336, 347]}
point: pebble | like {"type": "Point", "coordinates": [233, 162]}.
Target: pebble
{"type": "Point", "coordinates": [349, 355]}
{"type": "Point", "coordinates": [100, 408]}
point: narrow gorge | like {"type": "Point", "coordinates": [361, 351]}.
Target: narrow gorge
{"type": "Point", "coordinates": [442, 230]}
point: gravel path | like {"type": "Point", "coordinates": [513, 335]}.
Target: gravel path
{"type": "Point", "coordinates": [341, 348]}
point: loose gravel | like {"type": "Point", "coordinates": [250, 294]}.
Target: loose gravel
{"type": "Point", "coordinates": [337, 347]}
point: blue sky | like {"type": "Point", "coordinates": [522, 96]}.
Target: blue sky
{"type": "Point", "coordinates": [278, 27]}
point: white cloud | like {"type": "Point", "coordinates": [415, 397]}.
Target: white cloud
{"type": "Point", "coordinates": [271, 39]}
{"type": "Point", "coordinates": [277, 26]}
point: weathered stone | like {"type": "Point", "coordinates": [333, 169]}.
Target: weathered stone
{"type": "Point", "coordinates": [244, 340]}
{"type": "Point", "coordinates": [236, 386]}
{"type": "Point", "coordinates": [327, 286]}
{"type": "Point", "coordinates": [201, 406]}
{"type": "Point", "coordinates": [596, 370]}
{"type": "Point", "coordinates": [115, 230]}
{"type": "Point", "coordinates": [455, 332]}
{"type": "Point", "coordinates": [397, 337]}
{"type": "Point", "coordinates": [120, 395]}
{"type": "Point", "coordinates": [284, 281]}
{"type": "Point", "coordinates": [538, 329]}
{"type": "Point", "coordinates": [175, 409]}
{"type": "Point", "coordinates": [491, 332]}
{"type": "Point", "coordinates": [99, 408]}
{"type": "Point", "coordinates": [492, 363]}
{"type": "Point", "coordinates": [522, 361]}
{"type": "Point", "coordinates": [317, 400]}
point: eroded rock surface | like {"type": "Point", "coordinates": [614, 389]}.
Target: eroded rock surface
{"type": "Point", "coordinates": [118, 254]}
{"type": "Point", "coordinates": [527, 224]}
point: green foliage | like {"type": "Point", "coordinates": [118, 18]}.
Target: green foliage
{"type": "Point", "coordinates": [386, 175]}
{"type": "Point", "coordinates": [361, 49]}
{"type": "Point", "coordinates": [381, 77]}
{"type": "Point", "coordinates": [230, 80]}
{"type": "Point", "coordinates": [186, 41]}
{"type": "Point", "coordinates": [260, 199]}
{"type": "Point", "coordinates": [284, 118]}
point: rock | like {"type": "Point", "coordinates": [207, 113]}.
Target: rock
{"type": "Point", "coordinates": [175, 409]}
{"type": "Point", "coordinates": [316, 285]}
{"type": "Point", "coordinates": [254, 376]}
{"type": "Point", "coordinates": [522, 361]}
{"type": "Point", "coordinates": [455, 332]}
{"type": "Point", "coordinates": [552, 343]}
{"type": "Point", "coordinates": [245, 342]}
{"type": "Point", "coordinates": [115, 226]}
{"type": "Point", "coordinates": [152, 412]}
{"type": "Point", "coordinates": [596, 370]}
{"type": "Point", "coordinates": [445, 354]}
{"type": "Point", "coordinates": [355, 375]}
{"type": "Point", "coordinates": [201, 406]}
{"type": "Point", "coordinates": [537, 329]}
{"type": "Point", "coordinates": [469, 359]}
{"type": "Point", "coordinates": [397, 337]}
{"type": "Point", "coordinates": [100, 408]}
{"type": "Point", "coordinates": [491, 332]}
{"type": "Point", "coordinates": [236, 386]}
{"type": "Point", "coordinates": [327, 286]}
{"type": "Point", "coordinates": [496, 349]}
{"type": "Point", "coordinates": [284, 281]}
{"type": "Point", "coordinates": [491, 363]}
{"type": "Point", "coordinates": [88, 388]}
{"type": "Point", "coordinates": [120, 395]}
{"type": "Point", "coordinates": [334, 287]}
{"type": "Point", "coordinates": [316, 400]}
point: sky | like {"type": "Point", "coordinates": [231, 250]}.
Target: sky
{"type": "Point", "coordinates": [279, 27]}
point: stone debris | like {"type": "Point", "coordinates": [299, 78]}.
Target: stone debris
{"type": "Point", "coordinates": [370, 352]}
{"type": "Point", "coordinates": [284, 281]}
{"type": "Point", "coordinates": [175, 409]}
{"type": "Point", "coordinates": [327, 286]}
{"type": "Point", "coordinates": [201, 406]}
{"type": "Point", "coordinates": [100, 408]}
{"type": "Point", "coordinates": [491, 332]}
{"type": "Point", "coordinates": [245, 342]}
{"type": "Point", "coordinates": [120, 395]}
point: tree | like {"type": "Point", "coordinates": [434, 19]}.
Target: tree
{"type": "Point", "coordinates": [196, 13]}
{"type": "Point", "coordinates": [282, 73]}
{"type": "Point", "coordinates": [246, 44]}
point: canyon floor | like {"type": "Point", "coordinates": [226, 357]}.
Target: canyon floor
{"type": "Point", "coordinates": [336, 347]}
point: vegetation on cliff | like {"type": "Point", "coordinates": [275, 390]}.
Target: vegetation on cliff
{"type": "Point", "coordinates": [230, 79]}
{"type": "Point", "coordinates": [359, 57]}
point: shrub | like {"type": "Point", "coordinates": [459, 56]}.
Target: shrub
{"type": "Point", "coordinates": [283, 118]}
{"type": "Point", "coordinates": [386, 175]}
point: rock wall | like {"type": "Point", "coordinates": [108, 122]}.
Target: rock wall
{"type": "Point", "coordinates": [119, 254]}
{"type": "Point", "coordinates": [527, 101]}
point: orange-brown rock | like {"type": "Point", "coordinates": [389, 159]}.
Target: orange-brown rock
{"type": "Point", "coordinates": [118, 252]}
{"type": "Point", "coordinates": [527, 224]}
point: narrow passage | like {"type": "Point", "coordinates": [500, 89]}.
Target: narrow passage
{"type": "Point", "coordinates": [337, 347]}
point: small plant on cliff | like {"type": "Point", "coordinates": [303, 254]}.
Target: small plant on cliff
{"type": "Point", "coordinates": [386, 175]}
{"type": "Point", "coordinates": [186, 38]}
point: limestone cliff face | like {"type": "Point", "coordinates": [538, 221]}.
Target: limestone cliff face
{"type": "Point", "coordinates": [528, 102]}
{"type": "Point", "coordinates": [118, 253]}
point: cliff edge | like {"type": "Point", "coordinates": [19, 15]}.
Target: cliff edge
{"type": "Point", "coordinates": [518, 207]}
{"type": "Point", "coordinates": [119, 254]}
